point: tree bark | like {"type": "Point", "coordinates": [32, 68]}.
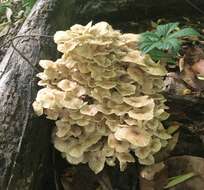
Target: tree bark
{"type": "Point", "coordinates": [24, 138]}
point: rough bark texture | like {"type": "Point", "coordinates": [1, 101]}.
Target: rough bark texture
{"type": "Point", "coordinates": [25, 154]}
{"type": "Point", "coordinates": [25, 139]}
{"type": "Point", "coordinates": [11, 33]}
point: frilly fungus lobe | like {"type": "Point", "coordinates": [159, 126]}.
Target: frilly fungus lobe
{"type": "Point", "coordinates": [105, 97]}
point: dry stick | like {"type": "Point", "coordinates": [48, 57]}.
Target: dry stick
{"type": "Point", "coordinates": [194, 6]}
{"type": "Point", "coordinates": [19, 52]}
{"type": "Point", "coordinates": [104, 181]}
{"type": "Point", "coordinates": [22, 36]}
{"type": "Point", "coordinates": [24, 57]}
{"type": "Point", "coordinates": [103, 184]}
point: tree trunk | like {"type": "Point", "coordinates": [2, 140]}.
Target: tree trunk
{"type": "Point", "coordinates": [24, 138]}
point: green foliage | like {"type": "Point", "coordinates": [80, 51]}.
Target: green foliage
{"type": "Point", "coordinates": [165, 41]}
{"type": "Point", "coordinates": [28, 3]}
{"type": "Point", "coordinates": [16, 8]}
{"type": "Point", "coordinates": [178, 179]}
{"type": "Point", "coordinates": [3, 7]}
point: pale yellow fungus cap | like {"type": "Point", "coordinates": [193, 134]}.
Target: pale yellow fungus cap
{"type": "Point", "coordinates": [104, 95]}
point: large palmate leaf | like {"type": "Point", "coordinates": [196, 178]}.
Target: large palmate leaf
{"type": "Point", "coordinates": [166, 29]}
{"type": "Point", "coordinates": [158, 55]}
{"type": "Point", "coordinates": [166, 38]}
{"type": "Point", "coordinates": [184, 32]}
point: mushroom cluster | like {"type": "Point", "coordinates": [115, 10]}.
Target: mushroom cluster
{"type": "Point", "coordinates": [104, 96]}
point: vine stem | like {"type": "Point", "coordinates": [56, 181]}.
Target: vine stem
{"type": "Point", "coordinates": [11, 40]}
{"type": "Point", "coordinates": [194, 6]}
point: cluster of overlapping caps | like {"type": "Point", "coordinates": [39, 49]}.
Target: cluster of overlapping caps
{"type": "Point", "coordinates": [104, 95]}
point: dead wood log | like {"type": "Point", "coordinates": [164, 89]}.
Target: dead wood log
{"type": "Point", "coordinates": [25, 139]}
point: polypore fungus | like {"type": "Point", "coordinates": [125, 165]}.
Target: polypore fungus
{"type": "Point", "coordinates": [105, 97]}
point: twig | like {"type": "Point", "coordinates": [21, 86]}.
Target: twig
{"type": "Point", "coordinates": [24, 57]}
{"type": "Point", "coordinates": [19, 52]}
{"type": "Point", "coordinates": [103, 184]}
{"type": "Point", "coordinates": [194, 6]}
{"type": "Point", "coordinates": [22, 36]}
{"type": "Point", "coordinates": [104, 181]}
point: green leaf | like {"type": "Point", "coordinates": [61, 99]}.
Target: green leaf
{"type": "Point", "coordinates": [157, 55]}
{"type": "Point", "coordinates": [165, 38]}
{"type": "Point", "coordinates": [173, 181]}
{"type": "Point", "coordinates": [151, 36]}
{"type": "Point", "coordinates": [165, 29]}
{"type": "Point", "coordinates": [28, 3]}
{"type": "Point", "coordinates": [159, 39]}
{"type": "Point", "coordinates": [174, 44]}
{"type": "Point", "coordinates": [3, 7]}
{"type": "Point", "coordinates": [184, 32]}
{"type": "Point", "coordinates": [150, 47]}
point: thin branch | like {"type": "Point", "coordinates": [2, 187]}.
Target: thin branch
{"type": "Point", "coordinates": [24, 57]}
{"type": "Point", "coordinates": [194, 6]}
{"type": "Point", "coordinates": [22, 36]}
{"type": "Point", "coordinates": [104, 181]}
{"type": "Point", "coordinates": [19, 52]}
